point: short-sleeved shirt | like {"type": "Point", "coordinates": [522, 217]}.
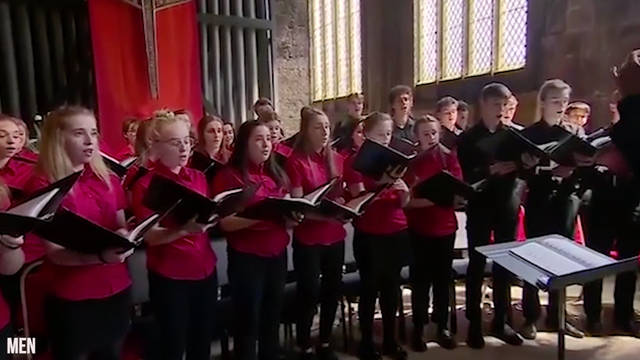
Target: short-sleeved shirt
{"type": "Point", "coordinates": [432, 221]}
{"type": "Point", "coordinates": [16, 173]}
{"type": "Point", "coordinates": [98, 202]}
{"type": "Point", "coordinates": [187, 258]}
{"type": "Point", "coordinates": [310, 171]}
{"type": "Point", "coordinates": [266, 238]}
{"type": "Point", "coordinates": [384, 215]}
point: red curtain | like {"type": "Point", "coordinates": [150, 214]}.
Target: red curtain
{"type": "Point", "coordinates": [121, 64]}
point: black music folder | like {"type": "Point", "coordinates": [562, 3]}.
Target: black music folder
{"type": "Point", "coordinates": [164, 193]}
{"type": "Point", "coordinates": [374, 159]}
{"type": "Point", "coordinates": [119, 168]}
{"type": "Point", "coordinates": [347, 211]}
{"type": "Point", "coordinates": [77, 233]}
{"type": "Point", "coordinates": [553, 261]}
{"type": "Point", "coordinates": [276, 208]}
{"type": "Point", "coordinates": [442, 187]}
{"type": "Point", "coordinates": [404, 145]}
{"type": "Point", "coordinates": [204, 163]}
{"type": "Point", "coordinates": [38, 208]}
{"type": "Point", "coordinates": [563, 152]}
{"type": "Point", "coordinates": [512, 143]}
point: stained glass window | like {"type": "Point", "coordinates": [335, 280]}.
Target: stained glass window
{"type": "Point", "coordinates": [335, 48]}
{"type": "Point", "coordinates": [459, 38]}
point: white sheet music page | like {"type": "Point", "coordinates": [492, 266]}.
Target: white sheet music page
{"type": "Point", "coordinates": [547, 259]}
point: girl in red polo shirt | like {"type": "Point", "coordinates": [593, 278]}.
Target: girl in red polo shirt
{"type": "Point", "coordinates": [89, 304]}
{"type": "Point", "coordinates": [351, 137]}
{"type": "Point", "coordinates": [228, 138]}
{"type": "Point", "coordinates": [210, 138]}
{"type": "Point", "coordinates": [14, 169]}
{"type": "Point", "coordinates": [256, 249]}
{"type": "Point", "coordinates": [146, 158]}
{"type": "Point", "coordinates": [432, 230]}
{"type": "Point", "coordinates": [181, 263]}
{"type": "Point", "coordinates": [379, 245]}
{"type": "Point", "coordinates": [11, 260]}
{"type": "Point", "coordinates": [318, 246]}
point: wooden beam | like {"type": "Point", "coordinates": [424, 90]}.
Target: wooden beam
{"type": "Point", "coordinates": [26, 71]}
{"type": "Point", "coordinates": [42, 59]}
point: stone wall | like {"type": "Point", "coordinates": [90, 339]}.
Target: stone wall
{"type": "Point", "coordinates": [575, 40]}
{"type": "Point", "coordinates": [291, 60]}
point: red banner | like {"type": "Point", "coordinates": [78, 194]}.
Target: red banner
{"type": "Point", "coordinates": [120, 63]}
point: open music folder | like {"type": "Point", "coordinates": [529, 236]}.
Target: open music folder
{"type": "Point", "coordinates": [77, 233]}
{"type": "Point", "coordinates": [374, 159]}
{"type": "Point", "coordinates": [37, 208]}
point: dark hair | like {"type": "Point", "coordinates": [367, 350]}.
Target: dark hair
{"type": "Point", "coordinates": [463, 106]}
{"type": "Point", "coordinates": [355, 96]}
{"type": "Point", "coordinates": [344, 133]}
{"type": "Point", "coordinates": [446, 101]}
{"type": "Point", "coordinates": [307, 114]}
{"type": "Point", "coordinates": [398, 90]}
{"type": "Point", "coordinates": [495, 90]}
{"type": "Point", "coordinates": [262, 102]}
{"type": "Point", "coordinates": [240, 157]}
{"type": "Point", "coordinates": [203, 125]}
{"type": "Point", "coordinates": [128, 123]}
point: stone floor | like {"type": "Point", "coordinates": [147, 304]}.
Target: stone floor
{"type": "Point", "coordinates": [544, 347]}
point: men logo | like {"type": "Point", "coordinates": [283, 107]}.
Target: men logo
{"type": "Point", "coordinates": [21, 346]}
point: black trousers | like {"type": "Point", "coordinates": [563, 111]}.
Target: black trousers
{"type": "Point", "coordinates": [431, 268]}
{"type": "Point", "coordinates": [547, 213]}
{"type": "Point", "coordinates": [610, 219]}
{"type": "Point", "coordinates": [257, 293]}
{"type": "Point", "coordinates": [5, 333]}
{"type": "Point", "coordinates": [184, 311]}
{"type": "Point", "coordinates": [499, 215]}
{"type": "Point", "coordinates": [95, 328]}
{"type": "Point", "coordinates": [380, 259]}
{"type": "Point", "coordinates": [319, 279]}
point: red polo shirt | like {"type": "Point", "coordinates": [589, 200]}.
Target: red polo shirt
{"type": "Point", "coordinates": [4, 307]}
{"type": "Point", "coordinates": [383, 216]}
{"type": "Point", "coordinates": [265, 239]}
{"type": "Point", "coordinates": [187, 258]}
{"type": "Point", "coordinates": [92, 199]}
{"type": "Point", "coordinates": [309, 171]}
{"type": "Point", "coordinates": [432, 221]}
{"type": "Point", "coordinates": [125, 153]}
{"type": "Point", "coordinates": [28, 154]}
{"type": "Point", "coordinates": [17, 172]}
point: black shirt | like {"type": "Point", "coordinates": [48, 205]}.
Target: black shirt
{"type": "Point", "coordinates": [406, 132]}
{"type": "Point", "coordinates": [448, 138]}
{"type": "Point", "coordinates": [475, 165]}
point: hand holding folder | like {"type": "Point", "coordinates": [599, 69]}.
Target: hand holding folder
{"type": "Point", "coordinates": [278, 208]}
{"type": "Point", "coordinates": [375, 160]}
{"type": "Point", "coordinates": [164, 193]}
{"type": "Point", "coordinates": [442, 189]}
{"type": "Point", "coordinates": [90, 238]}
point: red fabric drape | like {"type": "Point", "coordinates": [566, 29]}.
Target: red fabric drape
{"type": "Point", "coordinates": [121, 64]}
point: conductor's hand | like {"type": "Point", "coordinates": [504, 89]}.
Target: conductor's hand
{"type": "Point", "coordinates": [503, 168]}
{"type": "Point", "coordinates": [10, 243]}
{"type": "Point", "coordinates": [529, 161]}
{"type": "Point", "coordinates": [115, 256]}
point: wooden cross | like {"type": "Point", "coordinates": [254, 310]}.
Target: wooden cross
{"type": "Point", "coordinates": [149, 10]}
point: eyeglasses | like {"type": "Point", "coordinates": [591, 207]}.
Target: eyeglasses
{"type": "Point", "coordinates": [187, 141]}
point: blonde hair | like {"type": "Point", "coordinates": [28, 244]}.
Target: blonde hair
{"type": "Point", "coordinates": [578, 105]}
{"type": "Point", "coordinates": [164, 117]}
{"type": "Point", "coordinates": [545, 89]}
{"type": "Point", "coordinates": [54, 161]}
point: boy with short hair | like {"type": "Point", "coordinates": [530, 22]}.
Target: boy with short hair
{"type": "Point", "coordinates": [401, 103]}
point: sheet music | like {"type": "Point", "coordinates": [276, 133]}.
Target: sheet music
{"type": "Point", "coordinates": [547, 259]}
{"type": "Point", "coordinates": [576, 253]}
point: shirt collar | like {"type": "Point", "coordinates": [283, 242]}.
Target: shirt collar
{"type": "Point", "coordinates": [162, 169]}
